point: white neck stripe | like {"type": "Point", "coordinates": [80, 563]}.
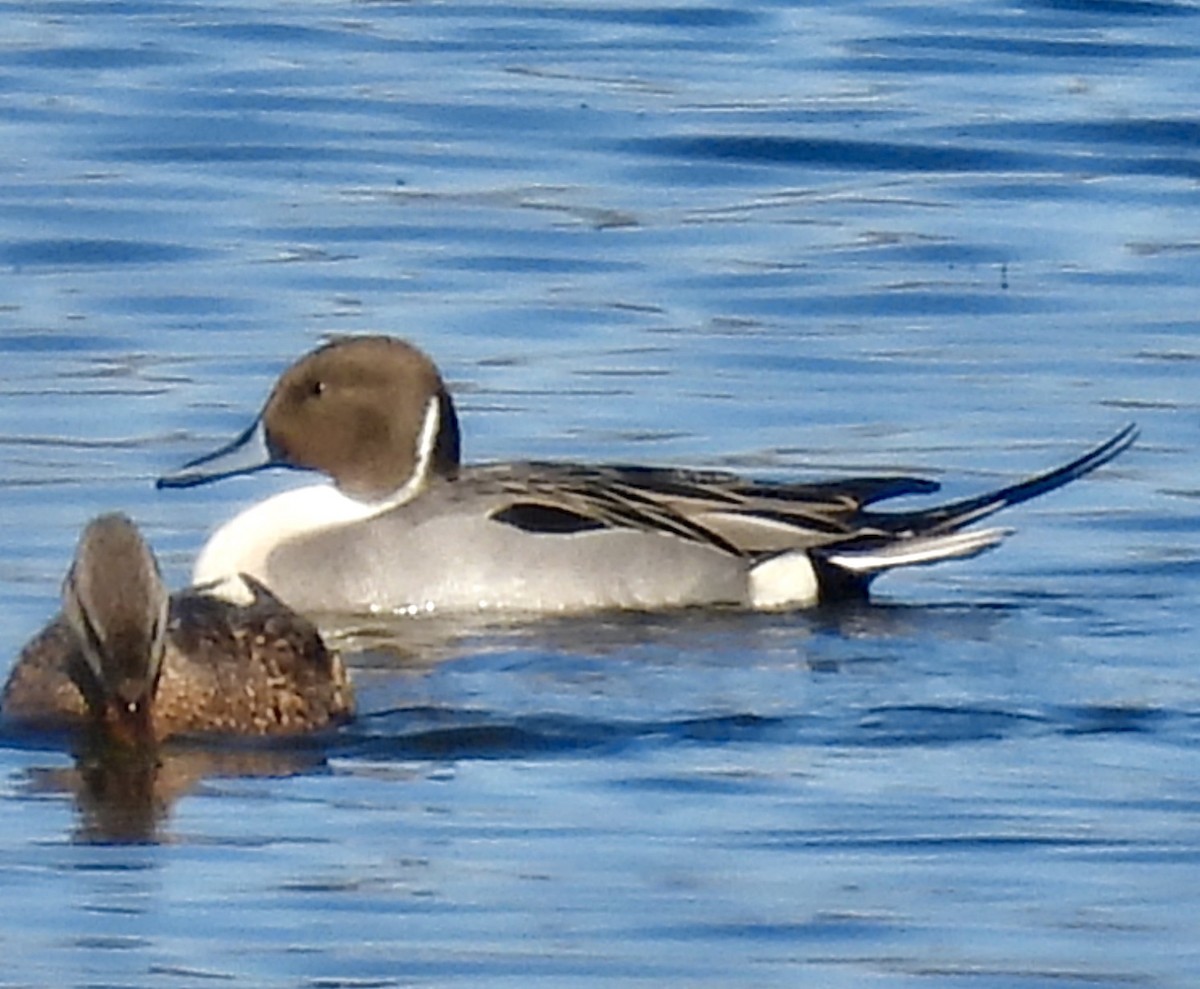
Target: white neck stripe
{"type": "Point", "coordinates": [426, 443]}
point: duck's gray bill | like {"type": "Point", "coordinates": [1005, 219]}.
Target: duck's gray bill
{"type": "Point", "coordinates": [249, 452]}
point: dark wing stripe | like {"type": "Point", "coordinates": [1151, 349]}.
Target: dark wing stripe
{"type": "Point", "coordinates": [591, 494]}
{"type": "Point", "coordinates": [540, 518]}
{"type": "Point", "coordinates": [634, 510]}
{"type": "Point", "coordinates": [675, 502]}
{"type": "Point", "coordinates": [862, 491]}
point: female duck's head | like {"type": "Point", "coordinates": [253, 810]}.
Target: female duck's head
{"type": "Point", "coordinates": [115, 603]}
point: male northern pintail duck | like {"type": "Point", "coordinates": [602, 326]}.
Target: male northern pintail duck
{"type": "Point", "coordinates": [140, 665]}
{"type": "Point", "coordinates": [404, 526]}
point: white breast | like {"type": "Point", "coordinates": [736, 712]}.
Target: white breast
{"type": "Point", "coordinates": [243, 544]}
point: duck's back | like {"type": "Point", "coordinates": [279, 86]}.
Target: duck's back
{"type": "Point", "coordinates": [256, 670]}
{"type": "Point", "coordinates": [260, 669]}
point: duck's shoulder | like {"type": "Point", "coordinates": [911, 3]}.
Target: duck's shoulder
{"type": "Point", "coordinates": [41, 687]}
{"type": "Point", "coordinates": [256, 668]}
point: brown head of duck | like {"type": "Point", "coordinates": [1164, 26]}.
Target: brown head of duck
{"type": "Point", "coordinates": [120, 626]}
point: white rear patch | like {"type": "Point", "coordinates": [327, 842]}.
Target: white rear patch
{"type": "Point", "coordinates": [790, 580]}
{"type": "Point", "coordinates": [785, 581]}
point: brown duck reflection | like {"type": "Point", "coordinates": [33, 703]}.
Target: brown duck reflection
{"type": "Point", "coordinates": [124, 794]}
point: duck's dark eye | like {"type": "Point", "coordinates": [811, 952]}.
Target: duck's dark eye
{"type": "Point", "coordinates": [316, 388]}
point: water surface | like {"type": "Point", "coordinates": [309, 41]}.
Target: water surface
{"type": "Point", "coordinates": [796, 239]}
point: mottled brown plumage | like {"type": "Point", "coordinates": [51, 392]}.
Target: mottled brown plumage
{"type": "Point", "coordinates": [252, 670]}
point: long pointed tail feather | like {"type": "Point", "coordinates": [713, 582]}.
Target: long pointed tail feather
{"type": "Point", "coordinates": [951, 517]}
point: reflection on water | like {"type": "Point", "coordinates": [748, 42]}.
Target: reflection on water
{"type": "Point", "coordinates": [801, 239]}
{"type": "Point", "coordinates": [125, 795]}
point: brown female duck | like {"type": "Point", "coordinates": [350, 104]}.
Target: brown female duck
{"type": "Point", "coordinates": [140, 665]}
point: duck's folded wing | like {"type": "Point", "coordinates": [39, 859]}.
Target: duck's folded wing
{"type": "Point", "coordinates": [757, 519]}
{"type": "Point", "coordinates": [739, 517]}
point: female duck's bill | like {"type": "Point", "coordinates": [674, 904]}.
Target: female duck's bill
{"type": "Point", "coordinates": [137, 665]}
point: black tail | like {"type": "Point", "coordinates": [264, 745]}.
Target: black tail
{"type": "Point", "coordinates": [958, 514]}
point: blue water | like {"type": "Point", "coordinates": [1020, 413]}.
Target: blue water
{"type": "Point", "coordinates": [798, 239]}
